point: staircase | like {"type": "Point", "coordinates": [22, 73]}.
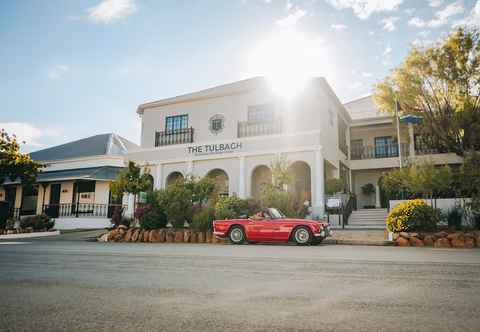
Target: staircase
{"type": "Point", "coordinates": [367, 219]}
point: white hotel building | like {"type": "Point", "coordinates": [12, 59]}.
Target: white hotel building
{"type": "Point", "coordinates": [233, 132]}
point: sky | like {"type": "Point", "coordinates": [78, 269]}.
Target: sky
{"type": "Point", "coordinates": [72, 69]}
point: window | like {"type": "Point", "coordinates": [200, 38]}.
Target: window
{"type": "Point", "coordinates": [216, 123]}
{"type": "Point", "coordinates": [385, 147]}
{"type": "Point", "coordinates": [176, 122]}
{"type": "Point", "coordinates": [356, 149]}
{"type": "Point", "coordinates": [342, 135]}
{"type": "Point", "coordinates": [261, 113]}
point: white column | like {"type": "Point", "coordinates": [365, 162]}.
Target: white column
{"type": "Point", "coordinates": [412, 140]}
{"type": "Point", "coordinates": [377, 196]}
{"type": "Point", "coordinates": [241, 178]}
{"type": "Point", "coordinates": [319, 204]}
{"type": "Point", "coordinates": [189, 167]}
{"type": "Point", "coordinates": [158, 176]}
{"type": "Point", "coordinates": [130, 207]}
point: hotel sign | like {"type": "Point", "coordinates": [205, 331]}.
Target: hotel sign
{"type": "Point", "coordinates": [207, 149]}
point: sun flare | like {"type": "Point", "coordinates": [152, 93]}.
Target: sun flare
{"type": "Point", "coordinates": [288, 59]}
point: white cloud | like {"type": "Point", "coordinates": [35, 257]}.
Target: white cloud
{"type": "Point", "coordinates": [387, 51]}
{"type": "Point", "coordinates": [356, 85]}
{"type": "Point", "coordinates": [57, 72]}
{"type": "Point", "coordinates": [292, 18]}
{"type": "Point", "coordinates": [110, 10]}
{"type": "Point", "coordinates": [31, 135]}
{"type": "Point", "coordinates": [441, 17]}
{"type": "Point", "coordinates": [435, 3]}
{"type": "Point", "coordinates": [367, 74]}
{"type": "Point", "coordinates": [473, 18]}
{"type": "Point", "coordinates": [338, 27]}
{"type": "Point", "coordinates": [364, 8]}
{"type": "Point", "coordinates": [389, 23]}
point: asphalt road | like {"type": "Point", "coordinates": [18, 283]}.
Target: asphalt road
{"type": "Point", "coordinates": [70, 285]}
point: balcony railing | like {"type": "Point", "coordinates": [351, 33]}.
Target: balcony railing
{"type": "Point", "coordinates": [82, 210]}
{"type": "Point", "coordinates": [248, 129]}
{"type": "Point", "coordinates": [379, 151]}
{"type": "Point", "coordinates": [175, 136]}
{"type": "Point", "coordinates": [423, 149]}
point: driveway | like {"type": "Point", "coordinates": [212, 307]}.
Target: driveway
{"type": "Point", "coordinates": [87, 286]}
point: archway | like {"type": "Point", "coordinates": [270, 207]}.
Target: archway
{"type": "Point", "coordinates": [261, 176]}
{"type": "Point", "coordinates": [221, 180]}
{"type": "Point", "coordinates": [151, 182]}
{"type": "Point", "coordinates": [173, 177]}
{"type": "Point", "coordinates": [301, 187]}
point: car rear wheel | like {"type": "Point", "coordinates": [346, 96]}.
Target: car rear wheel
{"type": "Point", "coordinates": [236, 235]}
{"type": "Point", "coordinates": [302, 236]}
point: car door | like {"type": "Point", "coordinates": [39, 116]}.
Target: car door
{"type": "Point", "coordinates": [262, 230]}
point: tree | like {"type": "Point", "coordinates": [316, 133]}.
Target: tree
{"type": "Point", "coordinates": [281, 173]}
{"type": "Point", "coordinates": [441, 84]}
{"type": "Point", "coordinates": [13, 164]}
{"type": "Point", "coordinates": [130, 181]}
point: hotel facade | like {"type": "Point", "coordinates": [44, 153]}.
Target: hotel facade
{"type": "Point", "coordinates": [233, 133]}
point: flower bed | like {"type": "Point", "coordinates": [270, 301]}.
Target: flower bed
{"type": "Point", "coordinates": [443, 239]}
{"type": "Point", "coordinates": [124, 234]}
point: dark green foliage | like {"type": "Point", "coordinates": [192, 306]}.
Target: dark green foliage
{"type": "Point", "coordinates": [153, 218]}
{"type": "Point", "coordinates": [424, 218]}
{"type": "Point", "coordinates": [202, 220]}
{"type": "Point", "coordinates": [368, 189]}
{"type": "Point", "coordinates": [38, 222]}
{"type": "Point", "coordinates": [454, 218]}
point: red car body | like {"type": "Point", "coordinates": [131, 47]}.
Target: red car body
{"type": "Point", "coordinates": [271, 230]}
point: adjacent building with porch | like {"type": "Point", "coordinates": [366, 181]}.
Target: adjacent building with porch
{"type": "Point", "coordinates": [73, 188]}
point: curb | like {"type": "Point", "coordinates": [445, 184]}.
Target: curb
{"type": "Point", "coordinates": [28, 235]}
{"type": "Point", "coordinates": [358, 243]}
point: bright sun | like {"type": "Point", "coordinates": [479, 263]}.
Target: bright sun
{"type": "Point", "coordinates": [288, 59]}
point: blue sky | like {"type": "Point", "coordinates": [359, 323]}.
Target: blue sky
{"type": "Point", "coordinates": [71, 69]}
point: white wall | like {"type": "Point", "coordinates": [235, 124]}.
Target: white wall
{"type": "Point", "coordinates": [81, 223]}
{"type": "Point", "coordinates": [443, 204]}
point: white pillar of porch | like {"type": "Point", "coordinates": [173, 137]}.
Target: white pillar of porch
{"type": "Point", "coordinates": [158, 176]}
{"type": "Point", "coordinates": [412, 140]}
{"type": "Point", "coordinates": [241, 178]}
{"type": "Point", "coordinates": [377, 196]}
{"type": "Point", "coordinates": [319, 174]}
{"type": "Point", "coordinates": [130, 207]}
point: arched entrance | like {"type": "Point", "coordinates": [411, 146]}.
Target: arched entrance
{"type": "Point", "coordinates": [301, 186]}
{"type": "Point", "coordinates": [261, 176]}
{"type": "Point", "coordinates": [151, 182]}
{"type": "Point", "coordinates": [173, 177]}
{"type": "Point", "coordinates": [221, 180]}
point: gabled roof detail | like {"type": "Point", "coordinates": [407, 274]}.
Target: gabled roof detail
{"type": "Point", "coordinates": [98, 145]}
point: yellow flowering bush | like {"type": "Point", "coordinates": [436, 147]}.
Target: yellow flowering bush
{"type": "Point", "coordinates": [409, 215]}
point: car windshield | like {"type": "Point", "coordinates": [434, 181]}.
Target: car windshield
{"type": "Point", "coordinates": [276, 214]}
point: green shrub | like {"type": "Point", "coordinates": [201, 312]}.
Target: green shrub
{"type": "Point", "coordinates": [234, 207]}
{"type": "Point", "coordinates": [38, 222]}
{"type": "Point", "coordinates": [424, 219]}
{"type": "Point", "coordinates": [202, 220]}
{"type": "Point", "coordinates": [333, 186]}
{"type": "Point", "coordinates": [153, 218]}
{"type": "Point", "coordinates": [272, 197]}
{"type": "Point", "coordinates": [368, 189]}
{"type": "Point", "coordinates": [454, 217]}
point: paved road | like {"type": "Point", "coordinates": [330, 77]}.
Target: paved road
{"type": "Point", "coordinates": [63, 284]}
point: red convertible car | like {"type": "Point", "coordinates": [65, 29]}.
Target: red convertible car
{"type": "Point", "coordinates": [270, 225]}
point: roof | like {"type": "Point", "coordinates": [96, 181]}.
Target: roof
{"type": "Point", "coordinates": [104, 144]}
{"type": "Point", "coordinates": [363, 108]}
{"type": "Point", "coordinates": [217, 91]}
{"type": "Point", "coordinates": [105, 173]}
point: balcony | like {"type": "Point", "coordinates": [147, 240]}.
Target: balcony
{"type": "Point", "coordinates": [380, 151]}
{"type": "Point", "coordinates": [82, 210]}
{"type": "Point", "coordinates": [249, 129]}
{"type": "Point", "coordinates": [175, 136]}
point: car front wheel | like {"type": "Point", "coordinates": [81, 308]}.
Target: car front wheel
{"type": "Point", "coordinates": [302, 236]}
{"type": "Point", "coordinates": [237, 235]}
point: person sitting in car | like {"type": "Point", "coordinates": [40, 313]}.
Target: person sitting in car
{"type": "Point", "coordinates": [261, 215]}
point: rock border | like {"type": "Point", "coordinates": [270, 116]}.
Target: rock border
{"type": "Point", "coordinates": [124, 234]}
{"type": "Point", "coordinates": [442, 239]}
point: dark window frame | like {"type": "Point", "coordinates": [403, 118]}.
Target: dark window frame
{"type": "Point", "coordinates": [175, 122]}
